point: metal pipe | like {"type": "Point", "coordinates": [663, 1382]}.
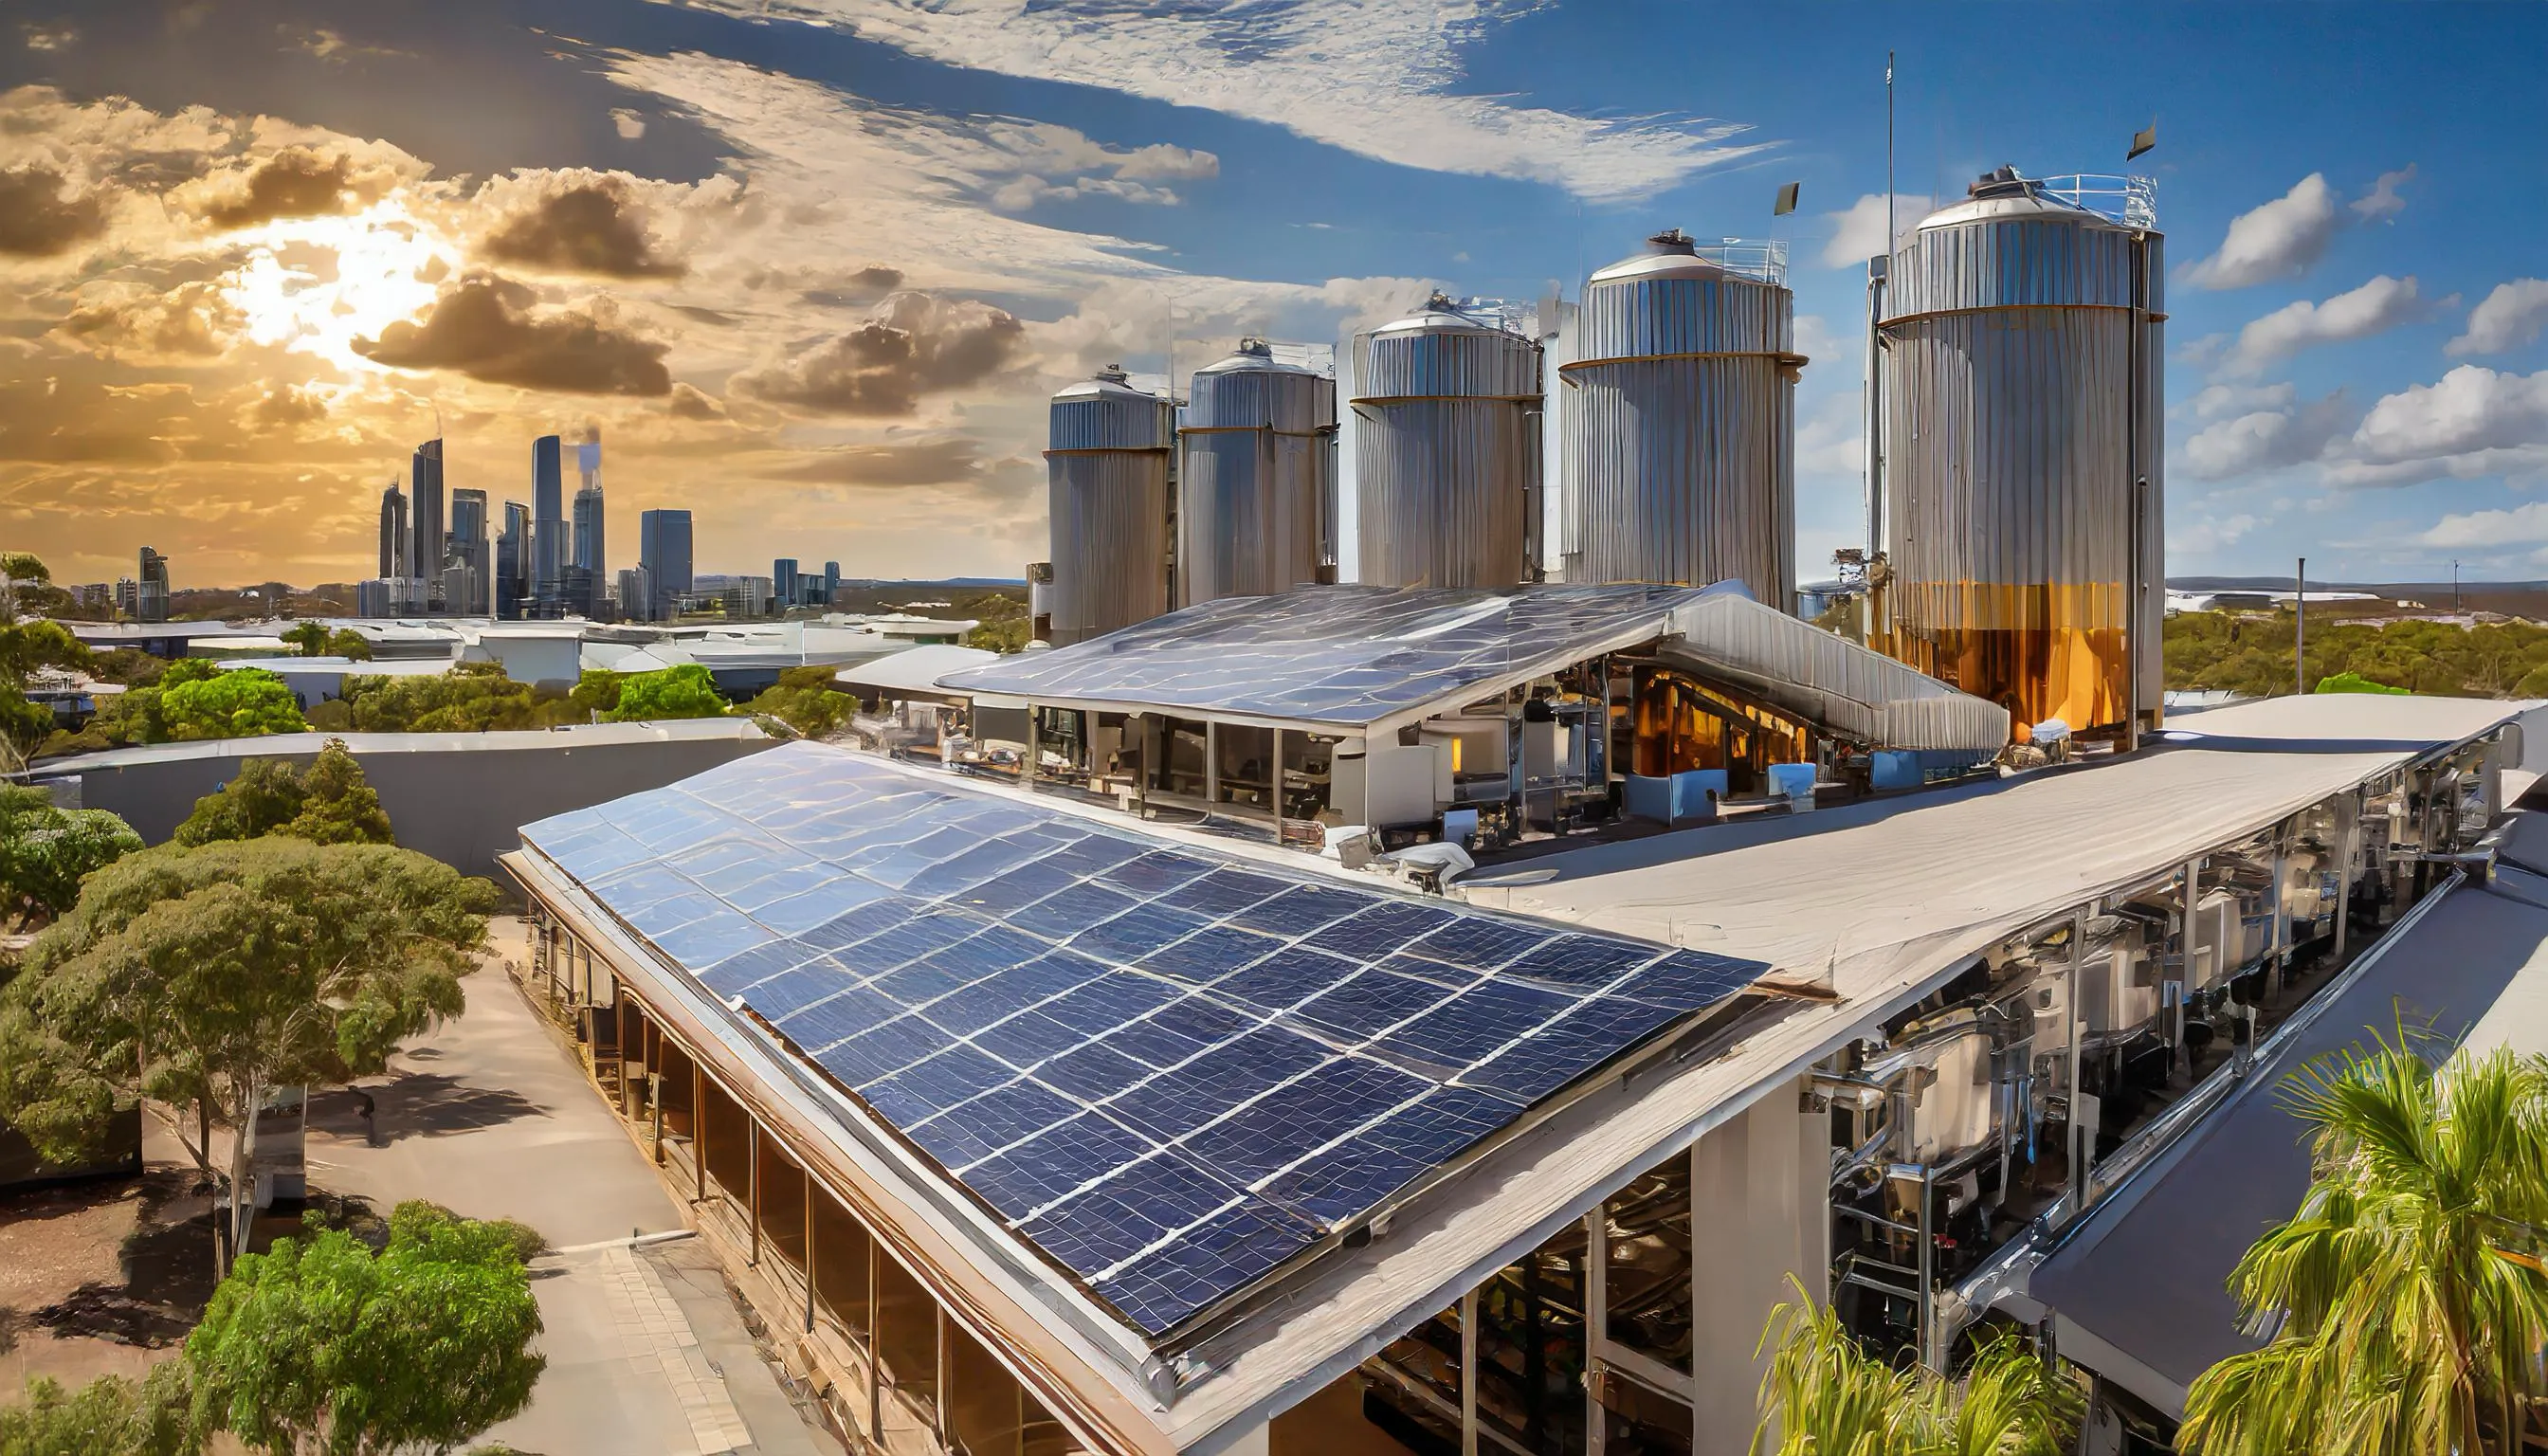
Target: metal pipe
{"type": "Point", "coordinates": [2137, 588]}
{"type": "Point", "coordinates": [2299, 627]}
{"type": "Point", "coordinates": [2082, 1140]}
{"type": "Point", "coordinates": [2349, 813]}
{"type": "Point", "coordinates": [1927, 1343]}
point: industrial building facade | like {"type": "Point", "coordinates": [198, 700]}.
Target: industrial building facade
{"type": "Point", "coordinates": [1025, 1122]}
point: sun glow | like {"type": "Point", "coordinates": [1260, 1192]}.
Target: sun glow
{"type": "Point", "coordinates": [315, 285]}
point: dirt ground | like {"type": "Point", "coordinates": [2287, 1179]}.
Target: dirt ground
{"type": "Point", "coordinates": [102, 1277]}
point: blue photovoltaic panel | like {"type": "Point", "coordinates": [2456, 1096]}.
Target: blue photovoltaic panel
{"type": "Point", "coordinates": [1343, 656]}
{"type": "Point", "coordinates": [1168, 1069]}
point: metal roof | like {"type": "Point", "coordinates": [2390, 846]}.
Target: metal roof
{"type": "Point", "coordinates": [284, 744]}
{"type": "Point", "coordinates": [914, 670]}
{"type": "Point", "coordinates": [1829, 679]}
{"type": "Point", "coordinates": [1344, 659]}
{"type": "Point", "coordinates": [2138, 1288]}
{"type": "Point", "coordinates": [1168, 1069]}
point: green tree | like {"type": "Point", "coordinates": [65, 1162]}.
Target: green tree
{"type": "Point", "coordinates": [2408, 1286]}
{"type": "Point", "coordinates": [310, 637]}
{"type": "Point", "coordinates": [595, 694]}
{"type": "Point", "coordinates": [108, 1416]}
{"type": "Point", "coordinates": [246, 703]}
{"type": "Point", "coordinates": [1826, 1396]}
{"type": "Point", "coordinates": [26, 648]}
{"type": "Point", "coordinates": [323, 1346]}
{"type": "Point", "coordinates": [472, 697]}
{"type": "Point", "coordinates": [45, 852]}
{"type": "Point", "coordinates": [804, 700]}
{"type": "Point", "coordinates": [330, 803]}
{"type": "Point", "coordinates": [684, 692]}
{"type": "Point", "coordinates": [349, 644]}
{"type": "Point", "coordinates": [206, 977]}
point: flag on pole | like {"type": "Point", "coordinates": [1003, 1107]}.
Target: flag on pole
{"type": "Point", "coordinates": [2142, 141]}
{"type": "Point", "coordinates": [1786, 200]}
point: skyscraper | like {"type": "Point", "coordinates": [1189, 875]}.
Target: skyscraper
{"type": "Point", "coordinates": [394, 541]}
{"type": "Point", "coordinates": [424, 516]}
{"type": "Point", "coordinates": [590, 553]}
{"type": "Point", "coordinates": [664, 550]}
{"type": "Point", "coordinates": [549, 555]}
{"type": "Point", "coordinates": [783, 584]}
{"type": "Point", "coordinates": [150, 593]}
{"type": "Point", "coordinates": [831, 581]}
{"type": "Point", "coordinates": [468, 552]}
{"type": "Point", "coordinates": [513, 555]}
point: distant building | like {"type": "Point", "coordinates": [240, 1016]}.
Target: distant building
{"type": "Point", "coordinates": [150, 593]}
{"type": "Point", "coordinates": [468, 553]}
{"type": "Point", "coordinates": [640, 600]}
{"type": "Point", "coordinates": [424, 515]}
{"type": "Point", "coordinates": [393, 537]}
{"type": "Point", "coordinates": [549, 544]}
{"type": "Point", "coordinates": [390, 597]}
{"type": "Point", "coordinates": [592, 556]}
{"type": "Point", "coordinates": [513, 555]}
{"type": "Point", "coordinates": [746, 596]}
{"type": "Point", "coordinates": [783, 583]}
{"type": "Point", "coordinates": [664, 550]}
{"type": "Point", "coordinates": [831, 581]}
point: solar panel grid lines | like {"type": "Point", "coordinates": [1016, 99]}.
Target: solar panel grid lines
{"type": "Point", "coordinates": [1166, 1068]}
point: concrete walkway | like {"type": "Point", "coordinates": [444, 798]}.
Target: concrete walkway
{"type": "Point", "coordinates": [647, 1350]}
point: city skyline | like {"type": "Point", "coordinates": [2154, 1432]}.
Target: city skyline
{"type": "Point", "coordinates": [814, 268]}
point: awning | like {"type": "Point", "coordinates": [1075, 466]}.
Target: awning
{"type": "Point", "coordinates": [1828, 680]}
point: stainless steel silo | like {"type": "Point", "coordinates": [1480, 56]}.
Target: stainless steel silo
{"type": "Point", "coordinates": [1256, 477]}
{"type": "Point", "coordinates": [1680, 421]}
{"type": "Point", "coordinates": [2020, 371]}
{"type": "Point", "coordinates": [1109, 502]}
{"type": "Point", "coordinates": [1446, 450]}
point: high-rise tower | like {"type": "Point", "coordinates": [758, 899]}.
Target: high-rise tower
{"type": "Point", "coordinates": [546, 568]}
{"type": "Point", "coordinates": [425, 517]}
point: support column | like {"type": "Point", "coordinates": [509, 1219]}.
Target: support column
{"type": "Point", "coordinates": [655, 1098]}
{"type": "Point", "coordinates": [2349, 822]}
{"type": "Point", "coordinates": [1276, 779]}
{"type": "Point", "coordinates": [1034, 746]}
{"type": "Point", "coordinates": [700, 1130]}
{"type": "Point", "coordinates": [809, 1250]}
{"type": "Point", "coordinates": [875, 1350]}
{"type": "Point", "coordinates": [2278, 949]}
{"type": "Point", "coordinates": [1468, 1374]}
{"type": "Point", "coordinates": [2083, 1134]}
{"type": "Point", "coordinates": [1596, 1327]}
{"type": "Point", "coordinates": [751, 1188]}
{"type": "Point", "coordinates": [1211, 764]}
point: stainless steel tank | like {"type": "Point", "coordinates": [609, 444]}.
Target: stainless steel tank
{"type": "Point", "coordinates": [1109, 504]}
{"type": "Point", "coordinates": [1446, 450]}
{"type": "Point", "coordinates": [2021, 379]}
{"type": "Point", "coordinates": [1680, 421]}
{"type": "Point", "coordinates": [1256, 477]}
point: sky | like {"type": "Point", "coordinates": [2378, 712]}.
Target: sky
{"type": "Point", "coordinates": [810, 267]}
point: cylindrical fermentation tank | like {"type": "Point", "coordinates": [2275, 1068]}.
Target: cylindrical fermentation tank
{"type": "Point", "coordinates": [1256, 477]}
{"type": "Point", "coordinates": [2021, 373]}
{"type": "Point", "coordinates": [1446, 452]}
{"type": "Point", "coordinates": [1108, 473]}
{"type": "Point", "coordinates": [1680, 429]}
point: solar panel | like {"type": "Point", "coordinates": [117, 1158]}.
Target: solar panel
{"type": "Point", "coordinates": [1168, 1069]}
{"type": "Point", "coordinates": [1339, 654]}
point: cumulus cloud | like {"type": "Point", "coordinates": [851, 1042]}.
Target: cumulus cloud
{"type": "Point", "coordinates": [188, 323]}
{"type": "Point", "coordinates": [2521, 525]}
{"type": "Point", "coordinates": [285, 407]}
{"type": "Point", "coordinates": [2471, 409]}
{"type": "Point", "coordinates": [1857, 231]}
{"type": "Point", "coordinates": [294, 182]}
{"type": "Point", "coordinates": [2382, 203]}
{"type": "Point", "coordinates": [50, 37]}
{"type": "Point", "coordinates": [2279, 240]}
{"type": "Point", "coordinates": [2270, 438]}
{"type": "Point", "coordinates": [915, 344]}
{"type": "Point", "coordinates": [597, 227]}
{"type": "Point", "coordinates": [40, 215]}
{"type": "Point", "coordinates": [2376, 307]}
{"type": "Point", "coordinates": [628, 124]}
{"type": "Point", "coordinates": [691, 403]}
{"type": "Point", "coordinates": [2220, 400]}
{"type": "Point", "coordinates": [866, 286]}
{"type": "Point", "coordinates": [486, 328]}
{"type": "Point", "coordinates": [1376, 78]}
{"type": "Point", "coordinates": [2507, 318]}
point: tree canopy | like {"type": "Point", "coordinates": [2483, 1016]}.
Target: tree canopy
{"type": "Point", "coordinates": [804, 700]}
{"type": "Point", "coordinates": [44, 852]}
{"type": "Point", "coordinates": [347, 643]}
{"type": "Point", "coordinates": [2251, 653]}
{"type": "Point", "coordinates": [330, 803]}
{"type": "Point", "coordinates": [206, 977]}
{"type": "Point", "coordinates": [323, 1346]}
{"type": "Point", "coordinates": [246, 703]}
{"type": "Point", "coordinates": [110, 1416]}
{"type": "Point", "coordinates": [310, 637]}
{"type": "Point", "coordinates": [2411, 1297]}
{"type": "Point", "coordinates": [26, 648]}
{"type": "Point", "coordinates": [684, 692]}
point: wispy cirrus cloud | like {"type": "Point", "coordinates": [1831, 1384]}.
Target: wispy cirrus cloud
{"type": "Point", "coordinates": [1375, 77]}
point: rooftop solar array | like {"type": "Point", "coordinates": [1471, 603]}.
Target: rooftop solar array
{"type": "Point", "coordinates": [1167, 1068]}
{"type": "Point", "coordinates": [1346, 656]}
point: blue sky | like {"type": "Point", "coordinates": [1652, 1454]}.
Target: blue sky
{"type": "Point", "coordinates": [810, 266]}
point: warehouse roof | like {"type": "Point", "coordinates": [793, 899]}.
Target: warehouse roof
{"type": "Point", "coordinates": [1168, 1069]}
{"type": "Point", "coordinates": [285, 745]}
{"type": "Point", "coordinates": [2139, 1287]}
{"type": "Point", "coordinates": [1345, 659]}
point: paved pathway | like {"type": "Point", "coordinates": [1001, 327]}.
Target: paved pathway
{"type": "Point", "coordinates": [648, 1355]}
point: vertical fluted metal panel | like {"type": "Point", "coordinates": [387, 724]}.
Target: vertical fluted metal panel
{"type": "Point", "coordinates": [1446, 455]}
{"type": "Point", "coordinates": [1107, 472]}
{"type": "Point", "coordinates": [1681, 435]}
{"type": "Point", "coordinates": [2009, 491]}
{"type": "Point", "coordinates": [1256, 471]}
